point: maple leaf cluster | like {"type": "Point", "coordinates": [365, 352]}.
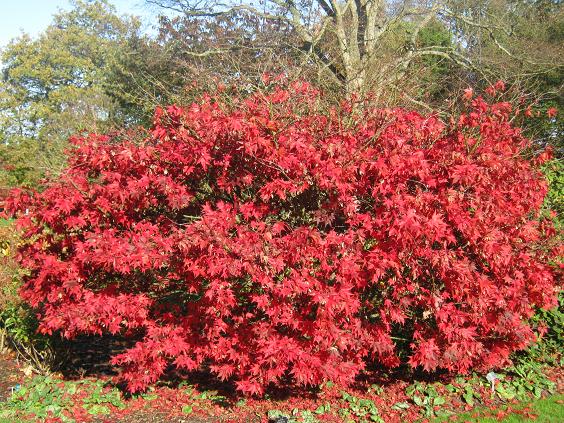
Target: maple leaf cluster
{"type": "Point", "coordinates": [271, 241]}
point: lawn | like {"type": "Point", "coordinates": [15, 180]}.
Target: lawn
{"type": "Point", "coordinates": [546, 410]}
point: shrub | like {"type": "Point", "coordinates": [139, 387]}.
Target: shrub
{"type": "Point", "coordinates": [549, 350]}
{"type": "Point", "coordinates": [18, 324]}
{"type": "Point", "coordinates": [273, 241]}
{"type": "Point", "coordinates": [554, 201]}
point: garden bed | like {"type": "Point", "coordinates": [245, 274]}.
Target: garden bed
{"type": "Point", "coordinates": [98, 399]}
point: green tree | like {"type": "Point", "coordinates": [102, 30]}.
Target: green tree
{"type": "Point", "coordinates": [520, 42]}
{"type": "Point", "coordinates": [57, 85]}
{"type": "Point", "coordinates": [190, 56]}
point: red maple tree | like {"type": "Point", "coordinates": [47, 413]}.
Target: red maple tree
{"type": "Point", "coordinates": [271, 240]}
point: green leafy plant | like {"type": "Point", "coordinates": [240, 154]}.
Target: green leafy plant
{"type": "Point", "coordinates": [524, 380]}
{"type": "Point", "coordinates": [274, 415]}
{"type": "Point", "coordinates": [554, 201]}
{"type": "Point", "coordinates": [43, 397]}
{"type": "Point", "coordinates": [18, 324]}
{"type": "Point", "coordinates": [362, 409]}
{"type": "Point", "coordinates": [427, 397]}
{"type": "Point", "coordinates": [213, 396]}
{"type": "Point", "coordinates": [46, 397]}
{"type": "Point", "coordinates": [323, 408]}
{"type": "Point", "coordinates": [469, 395]}
{"type": "Point", "coordinates": [100, 398]}
{"type": "Point", "coordinates": [188, 409]}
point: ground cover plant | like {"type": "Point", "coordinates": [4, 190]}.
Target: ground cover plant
{"type": "Point", "coordinates": [53, 399]}
{"type": "Point", "coordinates": [274, 242]}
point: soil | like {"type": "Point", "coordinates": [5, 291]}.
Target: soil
{"type": "Point", "coordinates": [10, 375]}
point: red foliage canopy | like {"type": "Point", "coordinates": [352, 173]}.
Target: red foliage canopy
{"type": "Point", "coordinates": [271, 240]}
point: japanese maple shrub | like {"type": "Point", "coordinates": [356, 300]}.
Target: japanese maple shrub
{"type": "Point", "coordinates": [273, 241]}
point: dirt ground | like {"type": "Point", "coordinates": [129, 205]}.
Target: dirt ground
{"type": "Point", "coordinates": [10, 375]}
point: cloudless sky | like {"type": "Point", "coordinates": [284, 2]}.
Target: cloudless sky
{"type": "Point", "coordinates": [33, 16]}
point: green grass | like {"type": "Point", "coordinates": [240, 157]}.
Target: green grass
{"type": "Point", "coordinates": [548, 410]}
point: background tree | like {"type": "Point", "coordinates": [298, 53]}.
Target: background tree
{"type": "Point", "coordinates": [92, 68]}
{"type": "Point", "coordinates": [190, 56]}
{"type": "Point", "coordinates": [359, 42]}
{"type": "Point", "coordinates": [415, 52]}
{"type": "Point", "coordinates": [56, 85]}
{"type": "Point", "coordinates": [520, 42]}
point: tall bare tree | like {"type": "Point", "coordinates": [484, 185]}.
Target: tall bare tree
{"type": "Point", "coordinates": [370, 45]}
{"type": "Point", "coordinates": [351, 38]}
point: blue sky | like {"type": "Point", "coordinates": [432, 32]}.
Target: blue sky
{"type": "Point", "coordinates": [33, 16]}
